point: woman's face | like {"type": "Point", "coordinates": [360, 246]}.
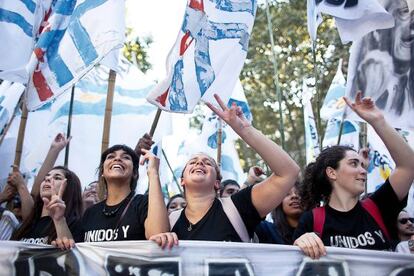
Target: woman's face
{"type": "Point", "coordinates": [200, 169]}
{"type": "Point", "coordinates": [53, 180]}
{"type": "Point", "coordinates": [350, 176]}
{"type": "Point", "coordinates": [90, 194]}
{"type": "Point", "coordinates": [177, 203]}
{"type": "Point", "coordinates": [291, 204]}
{"type": "Point", "coordinates": [118, 165]}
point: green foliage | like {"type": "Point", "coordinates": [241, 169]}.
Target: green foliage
{"type": "Point", "coordinates": [295, 63]}
{"type": "Point", "coordinates": [135, 50]}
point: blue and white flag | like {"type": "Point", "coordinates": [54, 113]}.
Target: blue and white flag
{"type": "Point", "coordinates": [349, 135]}
{"type": "Point", "coordinates": [211, 122]}
{"type": "Point", "coordinates": [208, 54]}
{"type": "Point", "coordinates": [132, 116]}
{"type": "Point", "coordinates": [76, 35]}
{"type": "Point", "coordinates": [10, 94]}
{"type": "Point", "coordinates": [311, 132]}
{"type": "Point", "coordinates": [334, 105]}
{"type": "Point", "coordinates": [19, 25]}
{"type": "Point", "coordinates": [353, 18]}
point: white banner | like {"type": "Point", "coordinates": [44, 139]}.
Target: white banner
{"type": "Point", "coordinates": [381, 65]}
{"type": "Point", "coordinates": [195, 258]}
{"type": "Point", "coordinates": [311, 132]}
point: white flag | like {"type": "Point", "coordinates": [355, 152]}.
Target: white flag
{"type": "Point", "coordinates": [207, 56]}
{"type": "Point", "coordinates": [77, 35]}
{"type": "Point", "coordinates": [334, 105]}
{"type": "Point", "coordinates": [353, 18]}
{"type": "Point", "coordinates": [311, 132]}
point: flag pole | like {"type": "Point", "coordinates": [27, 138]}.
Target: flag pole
{"type": "Point", "coordinates": [108, 110]}
{"type": "Point", "coordinates": [69, 128]}
{"type": "Point", "coordinates": [20, 136]}
{"type": "Point", "coordinates": [169, 166]}
{"type": "Point", "coordinates": [155, 122]}
{"type": "Point", "coordinates": [276, 77]}
{"type": "Point", "coordinates": [219, 139]}
{"type": "Point", "coordinates": [318, 96]}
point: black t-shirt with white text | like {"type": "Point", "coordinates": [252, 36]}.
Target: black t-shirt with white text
{"type": "Point", "coordinates": [215, 226]}
{"type": "Point", "coordinates": [39, 232]}
{"type": "Point", "coordinates": [357, 228]}
{"type": "Point", "coordinates": [97, 227]}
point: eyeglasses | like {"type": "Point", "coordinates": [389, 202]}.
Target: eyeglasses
{"type": "Point", "coordinates": [405, 220]}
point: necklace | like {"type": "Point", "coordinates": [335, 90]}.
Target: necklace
{"type": "Point", "coordinates": [190, 227]}
{"type": "Point", "coordinates": [111, 213]}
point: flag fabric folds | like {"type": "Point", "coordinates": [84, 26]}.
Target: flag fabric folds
{"type": "Point", "coordinates": [10, 94]}
{"type": "Point", "coordinates": [208, 54]}
{"type": "Point", "coordinates": [19, 23]}
{"type": "Point", "coordinates": [353, 18]}
{"type": "Point", "coordinates": [311, 132]}
{"type": "Point", "coordinates": [381, 65]}
{"type": "Point", "coordinates": [76, 35]}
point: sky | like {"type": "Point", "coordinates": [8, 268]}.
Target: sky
{"type": "Point", "coordinates": [161, 20]}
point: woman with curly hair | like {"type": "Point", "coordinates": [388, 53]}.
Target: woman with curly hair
{"type": "Point", "coordinates": [338, 179]}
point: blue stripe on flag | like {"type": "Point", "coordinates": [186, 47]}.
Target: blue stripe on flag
{"type": "Point", "coordinates": [86, 6]}
{"type": "Point", "coordinates": [15, 18]}
{"type": "Point", "coordinates": [56, 64]}
{"type": "Point", "coordinates": [30, 5]}
{"type": "Point", "coordinates": [102, 89]}
{"type": "Point", "coordinates": [82, 42]}
{"type": "Point", "coordinates": [64, 7]}
{"type": "Point", "coordinates": [98, 109]}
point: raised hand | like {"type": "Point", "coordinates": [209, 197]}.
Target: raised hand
{"type": "Point", "coordinates": [55, 205]}
{"type": "Point", "coordinates": [15, 179]}
{"type": "Point", "coordinates": [60, 142]}
{"type": "Point", "coordinates": [233, 116]}
{"type": "Point", "coordinates": [145, 142]}
{"type": "Point", "coordinates": [7, 193]}
{"type": "Point", "coordinates": [365, 108]}
{"type": "Point", "coordinates": [153, 161]}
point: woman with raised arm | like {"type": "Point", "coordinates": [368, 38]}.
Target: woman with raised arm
{"type": "Point", "coordinates": [123, 215]}
{"type": "Point", "coordinates": [57, 209]}
{"type": "Point", "coordinates": [204, 217]}
{"type": "Point", "coordinates": [338, 178]}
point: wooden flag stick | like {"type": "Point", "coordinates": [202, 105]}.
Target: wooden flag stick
{"type": "Point", "coordinates": [219, 139]}
{"type": "Point", "coordinates": [155, 122]}
{"type": "Point", "coordinates": [20, 136]}
{"type": "Point", "coordinates": [108, 110]}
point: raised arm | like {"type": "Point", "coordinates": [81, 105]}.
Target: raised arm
{"type": "Point", "coordinates": [402, 154]}
{"type": "Point", "coordinates": [270, 192]}
{"type": "Point", "coordinates": [16, 180]}
{"type": "Point", "coordinates": [56, 147]}
{"type": "Point", "coordinates": [157, 219]}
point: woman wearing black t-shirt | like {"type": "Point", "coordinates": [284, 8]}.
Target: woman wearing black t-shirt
{"type": "Point", "coordinates": [203, 218]}
{"type": "Point", "coordinates": [338, 178]}
{"type": "Point", "coordinates": [122, 215]}
{"type": "Point", "coordinates": [60, 186]}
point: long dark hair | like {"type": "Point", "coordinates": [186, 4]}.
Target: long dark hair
{"type": "Point", "coordinates": [281, 222]}
{"type": "Point", "coordinates": [316, 185]}
{"type": "Point", "coordinates": [102, 187]}
{"type": "Point", "coordinates": [72, 197]}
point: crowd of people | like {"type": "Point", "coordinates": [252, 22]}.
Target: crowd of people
{"type": "Point", "coordinates": [324, 209]}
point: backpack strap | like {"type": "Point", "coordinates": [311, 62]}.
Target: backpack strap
{"type": "Point", "coordinates": [372, 208]}
{"type": "Point", "coordinates": [173, 217]}
{"type": "Point", "coordinates": [235, 219]}
{"type": "Point", "coordinates": [318, 220]}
